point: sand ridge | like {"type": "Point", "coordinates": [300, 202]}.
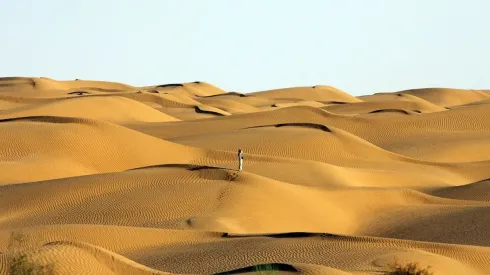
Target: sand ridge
{"type": "Point", "coordinates": [107, 178]}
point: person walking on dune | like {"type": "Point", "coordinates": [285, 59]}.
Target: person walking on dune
{"type": "Point", "coordinates": [240, 160]}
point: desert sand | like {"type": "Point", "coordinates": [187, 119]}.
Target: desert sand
{"type": "Point", "coordinates": [108, 178]}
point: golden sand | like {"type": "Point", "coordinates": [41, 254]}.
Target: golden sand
{"type": "Point", "coordinates": [107, 178]}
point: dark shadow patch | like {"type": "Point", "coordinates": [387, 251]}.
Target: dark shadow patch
{"type": "Point", "coordinates": [399, 94]}
{"type": "Point", "coordinates": [292, 235]}
{"type": "Point", "coordinates": [264, 267]}
{"type": "Point", "coordinates": [390, 111]}
{"type": "Point", "coordinates": [78, 93]}
{"type": "Point", "coordinates": [190, 167]}
{"type": "Point", "coordinates": [197, 82]}
{"type": "Point", "coordinates": [203, 167]}
{"type": "Point", "coordinates": [277, 235]}
{"type": "Point", "coordinates": [153, 91]}
{"type": "Point", "coordinates": [307, 125]}
{"type": "Point", "coordinates": [48, 119]}
{"type": "Point", "coordinates": [474, 191]}
{"type": "Point", "coordinates": [417, 111]}
{"type": "Point", "coordinates": [229, 93]}
{"type": "Point", "coordinates": [170, 85]}
{"type": "Point", "coordinates": [334, 102]}
{"type": "Point", "coordinates": [205, 172]}
{"type": "Point", "coordinates": [201, 111]}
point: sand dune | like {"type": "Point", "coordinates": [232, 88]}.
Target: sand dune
{"type": "Point", "coordinates": [316, 93]}
{"type": "Point", "coordinates": [229, 106]}
{"type": "Point", "coordinates": [107, 178]}
{"type": "Point", "coordinates": [167, 249]}
{"type": "Point", "coordinates": [111, 109]}
{"type": "Point", "coordinates": [478, 191]}
{"type": "Point", "coordinates": [412, 104]}
{"type": "Point", "coordinates": [448, 97]}
{"type": "Point", "coordinates": [45, 87]}
{"type": "Point", "coordinates": [53, 147]}
{"type": "Point", "coordinates": [196, 88]}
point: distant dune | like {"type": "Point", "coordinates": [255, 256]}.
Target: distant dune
{"type": "Point", "coordinates": [107, 178]}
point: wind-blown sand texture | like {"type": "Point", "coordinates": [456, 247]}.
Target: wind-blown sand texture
{"type": "Point", "coordinates": [106, 178]}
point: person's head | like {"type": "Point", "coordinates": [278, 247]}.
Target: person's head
{"type": "Point", "coordinates": [239, 150]}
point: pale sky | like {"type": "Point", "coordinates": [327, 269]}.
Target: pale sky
{"type": "Point", "coordinates": [359, 46]}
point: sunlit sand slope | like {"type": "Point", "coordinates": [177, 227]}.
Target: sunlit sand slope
{"type": "Point", "coordinates": [107, 178]}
